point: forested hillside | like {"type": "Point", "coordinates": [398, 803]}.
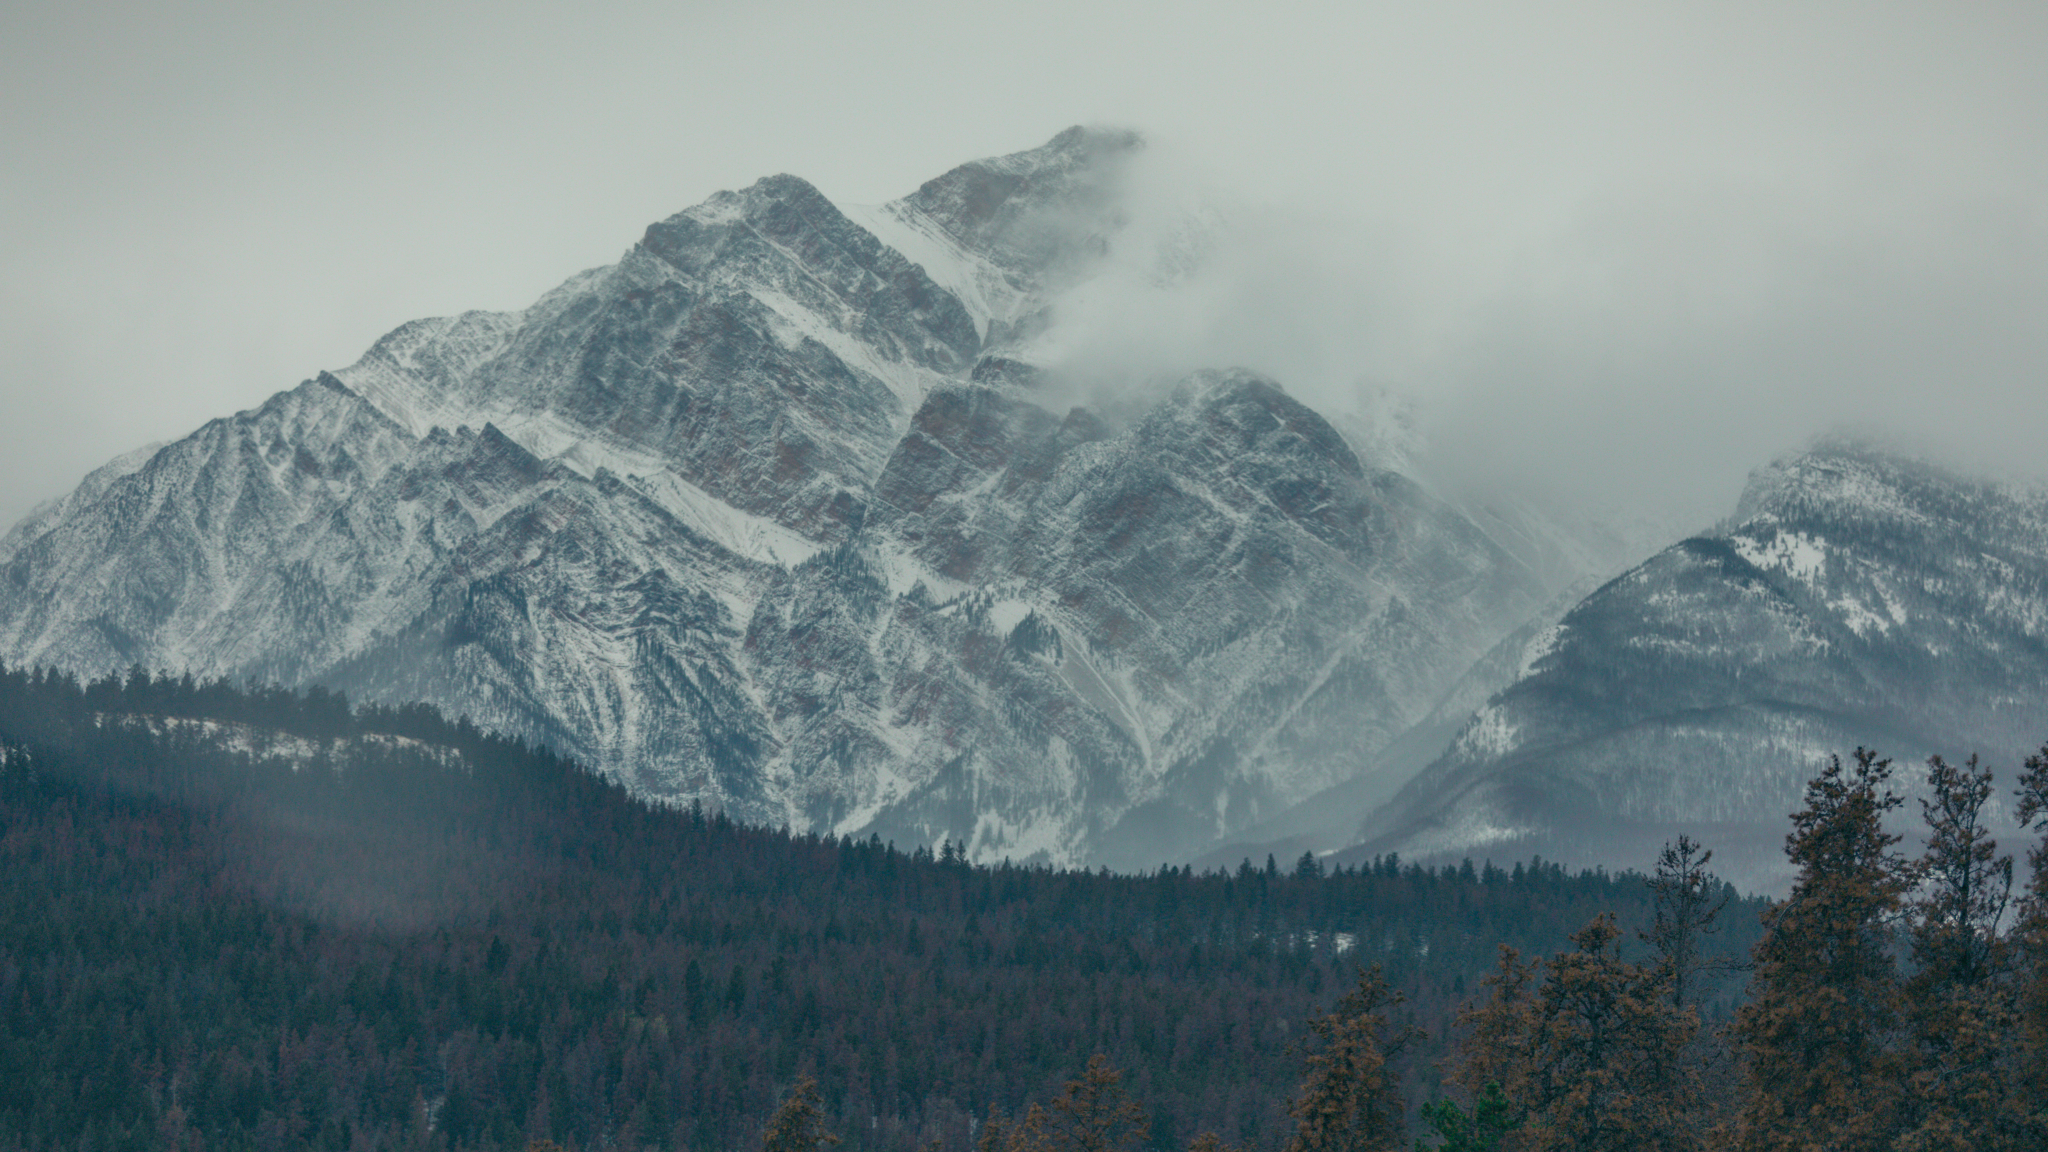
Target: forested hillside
{"type": "Point", "coordinates": [252, 918]}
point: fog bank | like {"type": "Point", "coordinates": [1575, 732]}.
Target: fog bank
{"type": "Point", "coordinates": [1610, 250]}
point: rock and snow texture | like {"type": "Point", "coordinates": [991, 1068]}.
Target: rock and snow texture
{"type": "Point", "coordinates": [1855, 598]}
{"type": "Point", "coordinates": [776, 513]}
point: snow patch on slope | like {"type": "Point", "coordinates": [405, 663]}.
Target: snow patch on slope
{"type": "Point", "coordinates": [744, 534]}
{"type": "Point", "coordinates": [1798, 555]}
{"type": "Point", "coordinates": [1477, 821]}
{"type": "Point", "coordinates": [798, 323]}
{"type": "Point", "coordinates": [1490, 734]}
{"type": "Point", "coordinates": [1540, 645]}
{"type": "Point", "coordinates": [983, 290]}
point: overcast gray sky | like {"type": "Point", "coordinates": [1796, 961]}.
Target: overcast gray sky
{"type": "Point", "coordinates": [1613, 247]}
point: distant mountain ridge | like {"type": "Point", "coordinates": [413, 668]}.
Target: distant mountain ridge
{"type": "Point", "coordinates": [777, 513]}
{"type": "Point", "coordinates": [1856, 597]}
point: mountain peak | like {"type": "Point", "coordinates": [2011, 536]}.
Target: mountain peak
{"type": "Point", "coordinates": [756, 516]}
{"type": "Point", "coordinates": [1038, 209]}
{"type": "Point", "coordinates": [1846, 475]}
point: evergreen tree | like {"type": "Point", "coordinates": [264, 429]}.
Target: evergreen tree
{"type": "Point", "coordinates": [798, 1125]}
{"type": "Point", "coordinates": [1610, 1053]}
{"type": "Point", "coordinates": [1687, 903]}
{"type": "Point", "coordinates": [2030, 944]}
{"type": "Point", "coordinates": [1483, 1130]}
{"type": "Point", "coordinates": [1593, 1057]}
{"type": "Point", "coordinates": [206, 936]}
{"type": "Point", "coordinates": [1094, 1114]}
{"type": "Point", "coordinates": [1500, 1035]}
{"type": "Point", "coordinates": [1350, 1100]}
{"type": "Point", "coordinates": [1688, 900]}
{"type": "Point", "coordinates": [1820, 1066]}
{"type": "Point", "coordinates": [1958, 1004]}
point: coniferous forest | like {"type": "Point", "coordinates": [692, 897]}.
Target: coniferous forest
{"type": "Point", "coordinates": [244, 917]}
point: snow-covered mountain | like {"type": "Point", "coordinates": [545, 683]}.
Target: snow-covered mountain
{"type": "Point", "coordinates": [779, 513]}
{"type": "Point", "coordinates": [1856, 597]}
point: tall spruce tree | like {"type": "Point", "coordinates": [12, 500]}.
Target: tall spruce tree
{"type": "Point", "coordinates": [2030, 944]}
{"type": "Point", "coordinates": [1687, 903]}
{"type": "Point", "coordinates": [1592, 1059]}
{"type": "Point", "coordinates": [1350, 1099]}
{"type": "Point", "coordinates": [1496, 1054]}
{"type": "Point", "coordinates": [799, 1124]}
{"type": "Point", "coordinates": [1094, 1114]}
{"type": "Point", "coordinates": [1687, 900]}
{"type": "Point", "coordinates": [1822, 1069]}
{"type": "Point", "coordinates": [1959, 1005]}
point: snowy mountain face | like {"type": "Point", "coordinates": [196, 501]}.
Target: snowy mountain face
{"type": "Point", "coordinates": [776, 513]}
{"type": "Point", "coordinates": [1855, 598]}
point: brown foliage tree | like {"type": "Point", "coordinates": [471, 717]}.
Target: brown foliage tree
{"type": "Point", "coordinates": [1211, 1142]}
{"type": "Point", "coordinates": [1350, 1100]}
{"type": "Point", "coordinates": [2030, 945]}
{"type": "Point", "coordinates": [1821, 1068]}
{"type": "Point", "coordinates": [1499, 1047]}
{"type": "Point", "coordinates": [1960, 1093]}
{"type": "Point", "coordinates": [1606, 1062]}
{"type": "Point", "coordinates": [799, 1124]}
{"type": "Point", "coordinates": [1094, 1114]}
{"type": "Point", "coordinates": [1592, 1057]}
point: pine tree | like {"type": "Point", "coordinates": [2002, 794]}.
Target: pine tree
{"type": "Point", "coordinates": [1483, 1130]}
{"type": "Point", "coordinates": [994, 1135]}
{"type": "Point", "coordinates": [1958, 1004]}
{"type": "Point", "coordinates": [1594, 1057]}
{"type": "Point", "coordinates": [2030, 944]}
{"type": "Point", "coordinates": [1821, 1069]}
{"type": "Point", "coordinates": [1094, 1114]}
{"type": "Point", "coordinates": [1610, 1048]}
{"type": "Point", "coordinates": [1688, 900]}
{"type": "Point", "coordinates": [1686, 905]}
{"type": "Point", "coordinates": [1350, 1100]}
{"type": "Point", "coordinates": [799, 1124]}
{"type": "Point", "coordinates": [1498, 1050]}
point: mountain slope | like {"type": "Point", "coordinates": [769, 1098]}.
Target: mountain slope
{"type": "Point", "coordinates": [1856, 598]}
{"type": "Point", "coordinates": [774, 514]}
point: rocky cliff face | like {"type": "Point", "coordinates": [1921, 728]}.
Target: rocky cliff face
{"type": "Point", "coordinates": [775, 513]}
{"type": "Point", "coordinates": [1855, 598]}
